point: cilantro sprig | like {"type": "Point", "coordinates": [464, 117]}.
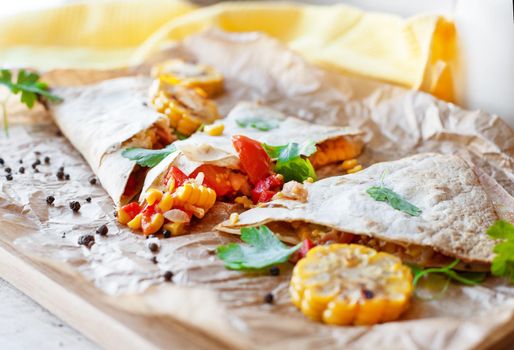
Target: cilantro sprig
{"type": "Point", "coordinates": [468, 278]}
{"type": "Point", "coordinates": [291, 160]}
{"type": "Point", "coordinates": [31, 89]}
{"type": "Point", "coordinates": [257, 123]}
{"type": "Point", "coordinates": [385, 194]}
{"type": "Point", "coordinates": [503, 262]}
{"type": "Point", "coordinates": [262, 249]}
{"type": "Point", "coordinates": [148, 157]}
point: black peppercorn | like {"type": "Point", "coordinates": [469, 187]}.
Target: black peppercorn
{"type": "Point", "coordinates": [20, 161]}
{"type": "Point", "coordinates": [2, 161]}
{"type": "Point", "coordinates": [154, 247]}
{"type": "Point", "coordinates": [102, 230]}
{"type": "Point", "coordinates": [274, 271]}
{"type": "Point", "coordinates": [268, 298]}
{"type": "Point", "coordinates": [9, 177]}
{"type": "Point", "coordinates": [60, 175]}
{"type": "Point", "coordinates": [88, 199]}
{"type": "Point", "coordinates": [166, 233]}
{"type": "Point", "coordinates": [86, 240]}
{"type": "Point", "coordinates": [37, 153]}
{"type": "Point", "coordinates": [67, 176]}
{"type": "Point", "coordinates": [37, 162]}
{"type": "Point", "coordinates": [47, 160]}
{"type": "Point", "coordinates": [50, 200]}
{"type": "Point", "coordinates": [34, 165]}
{"type": "Point", "coordinates": [8, 170]}
{"type": "Point", "coordinates": [92, 181]}
{"type": "Point", "coordinates": [75, 206]}
{"type": "Point", "coordinates": [154, 259]}
{"type": "Point", "coordinates": [168, 276]}
{"type": "Point", "coordinates": [61, 169]}
{"type": "Point", "coordinates": [21, 170]}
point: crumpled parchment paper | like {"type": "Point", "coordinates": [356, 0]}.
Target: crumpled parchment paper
{"type": "Point", "coordinates": [229, 304]}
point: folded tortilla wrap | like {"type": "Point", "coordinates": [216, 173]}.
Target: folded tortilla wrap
{"type": "Point", "coordinates": [202, 148]}
{"type": "Point", "coordinates": [101, 119]}
{"type": "Point", "coordinates": [456, 210]}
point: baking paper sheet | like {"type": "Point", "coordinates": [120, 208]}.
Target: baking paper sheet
{"type": "Point", "coordinates": [229, 304]}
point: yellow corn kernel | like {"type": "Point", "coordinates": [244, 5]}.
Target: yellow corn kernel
{"type": "Point", "coordinates": [187, 125]}
{"type": "Point", "coordinates": [175, 228]}
{"type": "Point", "coordinates": [344, 284]}
{"type": "Point", "coordinates": [135, 223]}
{"type": "Point", "coordinates": [171, 184]}
{"type": "Point", "coordinates": [244, 201]}
{"type": "Point", "coordinates": [193, 75]}
{"type": "Point", "coordinates": [310, 179]}
{"type": "Point", "coordinates": [166, 202]}
{"type": "Point", "coordinates": [354, 169]}
{"type": "Point", "coordinates": [234, 218]}
{"type": "Point", "coordinates": [214, 130]}
{"type": "Point", "coordinates": [336, 150]}
{"type": "Point", "coordinates": [122, 216]}
{"type": "Point", "coordinates": [201, 92]}
{"type": "Point", "coordinates": [153, 195]}
{"type": "Point", "coordinates": [154, 225]}
{"type": "Point", "coordinates": [349, 163]}
{"type": "Point", "coordinates": [195, 195]}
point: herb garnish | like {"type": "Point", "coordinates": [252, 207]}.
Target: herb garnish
{"type": "Point", "coordinates": [465, 277]}
{"type": "Point", "coordinates": [263, 249]}
{"type": "Point", "coordinates": [291, 162]}
{"type": "Point", "coordinates": [257, 123]}
{"type": "Point", "coordinates": [30, 87]}
{"type": "Point", "coordinates": [503, 262]}
{"type": "Point", "coordinates": [148, 157]}
{"type": "Point", "coordinates": [385, 194]}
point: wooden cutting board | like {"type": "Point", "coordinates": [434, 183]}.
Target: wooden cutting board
{"type": "Point", "coordinates": [80, 304]}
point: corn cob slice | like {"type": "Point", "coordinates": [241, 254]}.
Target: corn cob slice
{"type": "Point", "coordinates": [186, 108]}
{"type": "Point", "coordinates": [335, 150]}
{"type": "Point", "coordinates": [344, 284]}
{"type": "Point", "coordinates": [195, 195]}
{"type": "Point", "coordinates": [178, 72]}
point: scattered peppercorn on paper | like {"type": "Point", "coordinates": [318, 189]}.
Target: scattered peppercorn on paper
{"type": "Point", "coordinates": [173, 277]}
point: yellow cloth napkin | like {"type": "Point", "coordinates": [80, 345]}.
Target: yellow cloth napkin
{"type": "Point", "coordinates": [415, 52]}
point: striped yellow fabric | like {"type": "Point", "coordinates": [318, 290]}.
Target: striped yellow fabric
{"type": "Point", "coordinates": [415, 52]}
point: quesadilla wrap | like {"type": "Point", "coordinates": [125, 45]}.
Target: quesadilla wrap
{"type": "Point", "coordinates": [453, 217]}
{"type": "Point", "coordinates": [235, 165]}
{"type": "Point", "coordinates": [102, 119]}
{"type": "Point", "coordinates": [269, 126]}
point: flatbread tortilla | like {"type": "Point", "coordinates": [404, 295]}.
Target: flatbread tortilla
{"type": "Point", "coordinates": [456, 210]}
{"type": "Point", "coordinates": [97, 119]}
{"type": "Point", "coordinates": [202, 148]}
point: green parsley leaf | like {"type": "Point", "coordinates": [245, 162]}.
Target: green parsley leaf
{"type": "Point", "coordinates": [384, 194]}
{"type": "Point", "coordinates": [503, 262]}
{"type": "Point", "coordinates": [257, 123]}
{"type": "Point", "coordinates": [30, 87]}
{"type": "Point", "coordinates": [263, 249]}
{"type": "Point", "coordinates": [148, 157]}
{"type": "Point", "coordinates": [290, 161]}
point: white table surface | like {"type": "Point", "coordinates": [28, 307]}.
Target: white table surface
{"type": "Point", "coordinates": [25, 325]}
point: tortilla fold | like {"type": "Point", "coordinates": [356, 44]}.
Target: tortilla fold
{"type": "Point", "coordinates": [456, 211]}
{"type": "Point", "coordinates": [97, 119]}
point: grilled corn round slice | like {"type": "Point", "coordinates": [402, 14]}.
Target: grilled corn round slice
{"type": "Point", "coordinates": [350, 284]}
{"type": "Point", "coordinates": [178, 72]}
